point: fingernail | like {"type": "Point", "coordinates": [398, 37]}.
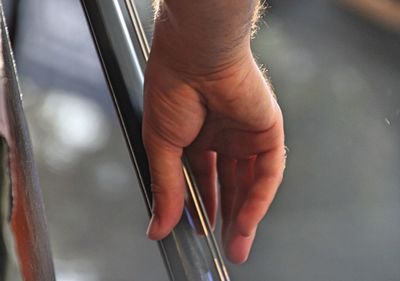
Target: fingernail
{"type": "Point", "coordinates": [152, 228]}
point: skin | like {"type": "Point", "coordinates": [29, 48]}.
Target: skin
{"type": "Point", "coordinates": [205, 97]}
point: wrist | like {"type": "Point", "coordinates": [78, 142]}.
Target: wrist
{"type": "Point", "coordinates": [197, 54]}
{"type": "Point", "coordinates": [204, 34]}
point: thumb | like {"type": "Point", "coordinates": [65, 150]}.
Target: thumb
{"type": "Point", "coordinates": [167, 184]}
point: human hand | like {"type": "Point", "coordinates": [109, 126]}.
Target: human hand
{"type": "Point", "coordinates": [227, 122]}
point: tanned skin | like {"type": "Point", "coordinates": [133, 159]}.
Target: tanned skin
{"type": "Point", "coordinates": [206, 97]}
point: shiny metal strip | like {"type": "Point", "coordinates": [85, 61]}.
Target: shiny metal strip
{"type": "Point", "coordinates": [124, 50]}
{"type": "Point", "coordinates": [192, 188]}
{"type": "Point", "coordinates": [134, 16]}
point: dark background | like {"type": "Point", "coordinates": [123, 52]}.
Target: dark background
{"type": "Point", "coordinates": [336, 217]}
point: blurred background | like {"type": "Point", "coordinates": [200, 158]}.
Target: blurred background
{"type": "Point", "coordinates": [335, 66]}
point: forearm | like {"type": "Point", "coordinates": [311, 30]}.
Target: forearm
{"type": "Point", "coordinates": [207, 31]}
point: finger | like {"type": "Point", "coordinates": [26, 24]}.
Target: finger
{"type": "Point", "coordinates": [237, 246]}
{"type": "Point", "coordinates": [226, 175]}
{"type": "Point", "coordinates": [268, 175]}
{"type": "Point", "coordinates": [203, 167]}
{"type": "Point", "coordinates": [268, 172]}
{"type": "Point", "coordinates": [244, 181]}
{"type": "Point", "coordinates": [167, 184]}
